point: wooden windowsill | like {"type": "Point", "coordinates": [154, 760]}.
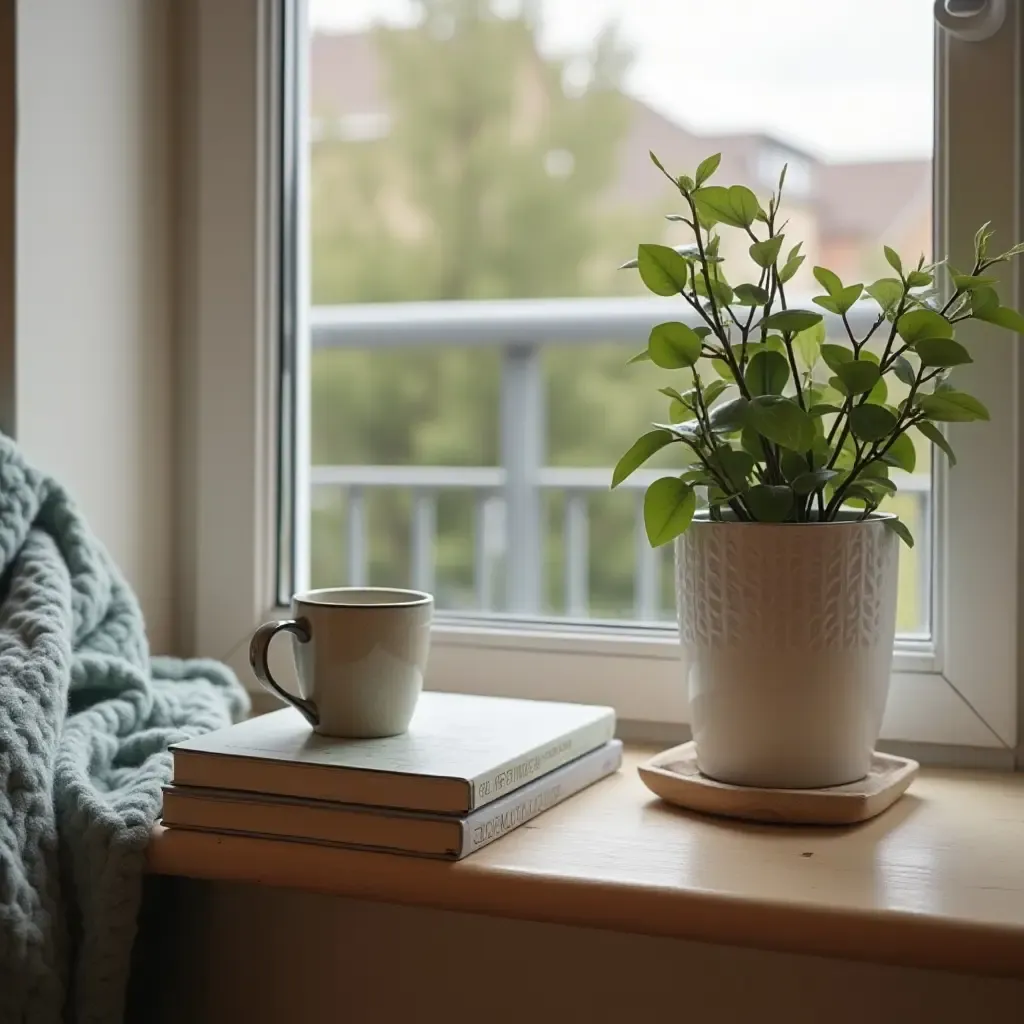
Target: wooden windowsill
{"type": "Point", "coordinates": [937, 881]}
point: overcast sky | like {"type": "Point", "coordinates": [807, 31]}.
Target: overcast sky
{"type": "Point", "coordinates": [843, 79]}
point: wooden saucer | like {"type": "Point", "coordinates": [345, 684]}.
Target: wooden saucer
{"type": "Point", "coordinates": [674, 776]}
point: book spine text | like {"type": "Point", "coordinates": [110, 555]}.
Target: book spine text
{"type": "Point", "coordinates": [514, 774]}
{"type": "Point", "coordinates": [498, 819]}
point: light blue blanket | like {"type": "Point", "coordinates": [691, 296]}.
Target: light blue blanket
{"type": "Point", "coordinates": [85, 720]}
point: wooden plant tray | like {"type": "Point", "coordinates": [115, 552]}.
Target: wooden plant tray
{"type": "Point", "coordinates": [673, 775]}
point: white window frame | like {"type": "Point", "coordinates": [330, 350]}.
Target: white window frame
{"type": "Point", "coordinates": [962, 692]}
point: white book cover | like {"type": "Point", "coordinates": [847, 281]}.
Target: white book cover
{"type": "Point", "coordinates": [429, 835]}
{"type": "Point", "coordinates": [461, 752]}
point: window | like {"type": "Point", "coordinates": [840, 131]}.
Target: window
{"type": "Point", "coordinates": [450, 392]}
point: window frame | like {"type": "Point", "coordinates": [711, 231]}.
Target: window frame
{"type": "Point", "coordinates": [962, 692]}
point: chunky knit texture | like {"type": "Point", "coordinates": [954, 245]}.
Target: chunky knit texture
{"type": "Point", "coordinates": [85, 721]}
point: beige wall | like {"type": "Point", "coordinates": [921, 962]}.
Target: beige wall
{"type": "Point", "coordinates": [213, 953]}
{"type": "Point", "coordinates": [93, 285]}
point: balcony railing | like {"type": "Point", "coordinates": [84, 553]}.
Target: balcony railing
{"type": "Point", "coordinates": [508, 499]}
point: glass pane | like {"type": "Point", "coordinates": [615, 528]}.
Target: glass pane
{"type": "Point", "coordinates": [479, 170]}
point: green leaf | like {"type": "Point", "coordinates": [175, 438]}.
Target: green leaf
{"type": "Point", "coordinates": [807, 344]}
{"type": "Point", "coordinates": [952, 407]}
{"type": "Point", "coordinates": [673, 346]}
{"type": "Point", "coordinates": [643, 448]}
{"type": "Point", "coordinates": [826, 302]}
{"type": "Point", "coordinates": [791, 267]}
{"type": "Point", "coordinates": [879, 394]}
{"type": "Point", "coordinates": [893, 259]}
{"type": "Point", "coordinates": [942, 352]}
{"type": "Point", "coordinates": [807, 483]}
{"type": "Point", "coordinates": [713, 204]}
{"type": "Point", "coordinates": [689, 430]}
{"type": "Point", "coordinates": [983, 301]}
{"type": "Point", "coordinates": [858, 375]}
{"type": "Point", "coordinates": [792, 465]}
{"type": "Point", "coordinates": [722, 293]}
{"type": "Point", "coordinates": [782, 422]}
{"type": "Point", "coordinates": [968, 282]}
{"type": "Point", "coordinates": [736, 206]}
{"type": "Point", "coordinates": [767, 373]}
{"type": "Point", "coordinates": [729, 416]}
{"type": "Point", "coordinates": [937, 438]}
{"type": "Point", "coordinates": [886, 291]}
{"type": "Point", "coordinates": [828, 280]}
{"type": "Point", "coordinates": [858, 494]}
{"type": "Point", "coordinates": [657, 163]}
{"type": "Point", "coordinates": [876, 469]}
{"type": "Point", "coordinates": [687, 252]}
{"type": "Point", "coordinates": [678, 412]}
{"type": "Point", "coordinates": [904, 371]}
{"type": "Point", "coordinates": [836, 356]}
{"type": "Point", "coordinates": [722, 368]}
{"type": "Point", "coordinates": [713, 390]}
{"type": "Point", "coordinates": [734, 464]}
{"type": "Point", "coordinates": [744, 203]}
{"type": "Point", "coordinates": [697, 476]}
{"type": "Point", "coordinates": [769, 503]}
{"type": "Point", "coordinates": [673, 393]}
{"type": "Point", "coordinates": [919, 279]}
{"type": "Point", "coordinates": [902, 453]}
{"type": "Point", "coordinates": [662, 269]}
{"type": "Point", "coordinates": [898, 527]}
{"type": "Point", "coordinates": [750, 441]}
{"type": "Point", "coordinates": [1014, 251]}
{"type": "Point", "coordinates": [669, 505]}
{"type": "Point", "coordinates": [848, 296]}
{"type": "Point", "coordinates": [981, 239]}
{"type": "Point", "coordinates": [871, 422]}
{"type": "Point", "coordinates": [685, 183]}
{"type": "Point", "coordinates": [707, 167]}
{"type": "Point", "coordinates": [640, 357]}
{"type": "Point", "coordinates": [823, 409]}
{"type": "Point", "coordinates": [923, 323]}
{"type": "Point", "coordinates": [1004, 316]}
{"type": "Point", "coordinates": [750, 295]}
{"type": "Point", "coordinates": [765, 253]}
{"type": "Point", "coordinates": [792, 320]}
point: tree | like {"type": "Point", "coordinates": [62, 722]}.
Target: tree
{"type": "Point", "coordinates": [490, 183]}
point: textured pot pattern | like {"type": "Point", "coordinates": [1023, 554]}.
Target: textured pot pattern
{"type": "Point", "coordinates": [788, 631]}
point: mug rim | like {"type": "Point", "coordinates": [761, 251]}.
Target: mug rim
{"type": "Point", "coordinates": [401, 597]}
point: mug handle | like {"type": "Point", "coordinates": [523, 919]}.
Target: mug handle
{"type": "Point", "coordinates": [259, 648]}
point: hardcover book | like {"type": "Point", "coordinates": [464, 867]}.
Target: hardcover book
{"type": "Point", "coordinates": [427, 835]}
{"type": "Point", "coordinates": [461, 752]}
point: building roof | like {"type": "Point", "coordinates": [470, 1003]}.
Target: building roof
{"type": "Point", "coordinates": [866, 200]}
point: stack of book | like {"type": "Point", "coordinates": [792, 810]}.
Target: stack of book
{"type": "Point", "coordinates": [469, 770]}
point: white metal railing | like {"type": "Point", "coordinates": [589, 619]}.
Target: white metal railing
{"type": "Point", "coordinates": [508, 499]}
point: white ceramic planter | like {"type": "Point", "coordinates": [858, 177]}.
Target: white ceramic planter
{"type": "Point", "coordinates": [788, 632]}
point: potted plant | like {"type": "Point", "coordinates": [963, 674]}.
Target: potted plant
{"type": "Point", "coordinates": [788, 433]}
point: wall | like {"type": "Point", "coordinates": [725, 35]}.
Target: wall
{"type": "Point", "coordinates": [93, 279]}
{"type": "Point", "coordinates": [211, 953]}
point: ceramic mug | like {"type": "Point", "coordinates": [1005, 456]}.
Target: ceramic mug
{"type": "Point", "coordinates": [360, 654]}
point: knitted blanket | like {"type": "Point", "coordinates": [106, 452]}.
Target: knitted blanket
{"type": "Point", "coordinates": [85, 720]}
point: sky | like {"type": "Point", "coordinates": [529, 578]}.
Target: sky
{"type": "Point", "coordinates": [841, 79]}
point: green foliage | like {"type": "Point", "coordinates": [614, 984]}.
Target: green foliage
{"type": "Point", "coordinates": [785, 447]}
{"type": "Point", "coordinates": [673, 346]}
{"type": "Point", "coordinates": [669, 505]}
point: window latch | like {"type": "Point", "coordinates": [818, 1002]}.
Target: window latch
{"type": "Point", "coordinates": [971, 20]}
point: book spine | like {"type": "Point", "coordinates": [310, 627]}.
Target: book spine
{"type": "Point", "coordinates": [515, 809]}
{"type": "Point", "coordinates": [538, 762]}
